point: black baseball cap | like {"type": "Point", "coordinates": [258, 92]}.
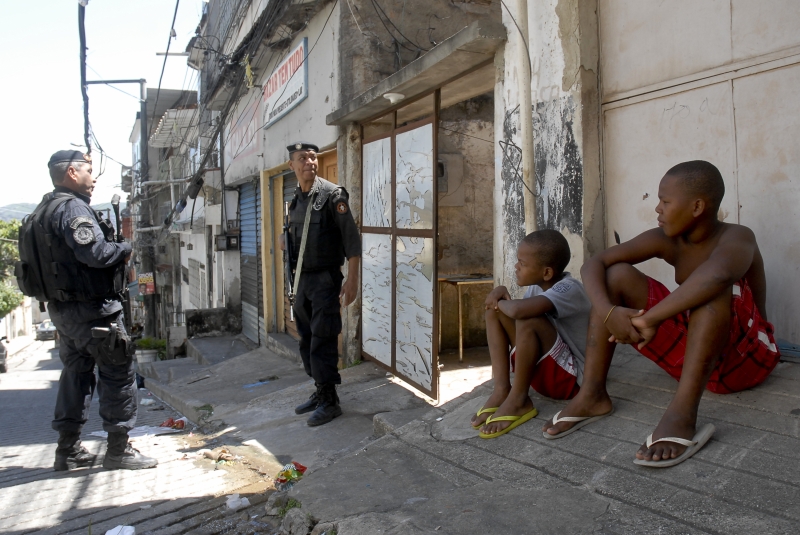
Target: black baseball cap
{"type": "Point", "coordinates": [68, 156]}
{"type": "Point", "coordinates": [301, 145]}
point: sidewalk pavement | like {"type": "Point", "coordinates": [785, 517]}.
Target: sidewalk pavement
{"type": "Point", "coordinates": [397, 463]}
{"type": "Point", "coordinates": [18, 344]}
{"type": "Point", "coordinates": [180, 495]}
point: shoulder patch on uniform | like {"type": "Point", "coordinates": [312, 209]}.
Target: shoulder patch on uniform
{"type": "Point", "coordinates": [83, 235]}
{"type": "Point", "coordinates": [341, 207]}
{"type": "Point", "coordinates": [81, 220]}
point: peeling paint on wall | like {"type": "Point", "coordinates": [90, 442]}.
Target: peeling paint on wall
{"type": "Point", "coordinates": [513, 206]}
{"type": "Point", "coordinates": [559, 167]}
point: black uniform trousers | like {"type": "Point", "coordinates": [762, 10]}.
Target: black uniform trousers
{"type": "Point", "coordinates": [318, 317]}
{"type": "Point", "coordinates": [116, 387]}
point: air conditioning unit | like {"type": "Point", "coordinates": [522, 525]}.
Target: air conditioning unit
{"type": "Point", "coordinates": [229, 242]}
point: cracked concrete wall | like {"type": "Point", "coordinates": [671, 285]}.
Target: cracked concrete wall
{"type": "Point", "coordinates": [378, 40]}
{"type": "Point", "coordinates": [466, 144]}
{"type": "Point", "coordinates": [564, 56]}
{"type": "Point", "coordinates": [348, 151]}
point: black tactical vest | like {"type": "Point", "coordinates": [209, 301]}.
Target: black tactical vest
{"type": "Point", "coordinates": [325, 249]}
{"type": "Point", "coordinates": [65, 277]}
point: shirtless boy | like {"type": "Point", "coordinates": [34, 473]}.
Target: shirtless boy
{"type": "Point", "coordinates": [711, 332]}
{"type": "Point", "coordinates": [547, 326]}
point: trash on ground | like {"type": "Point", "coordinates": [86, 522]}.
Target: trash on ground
{"type": "Point", "coordinates": [289, 475]}
{"type": "Point", "coordinates": [219, 454]}
{"type": "Point", "coordinates": [122, 530]}
{"type": "Point", "coordinates": [143, 431]}
{"type": "Point", "coordinates": [235, 503]}
{"type": "Point", "coordinates": [439, 419]}
{"type": "Point", "coordinates": [180, 423]}
{"type": "Point", "coordinates": [148, 401]}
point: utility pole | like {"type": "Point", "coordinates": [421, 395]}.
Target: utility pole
{"type": "Point", "coordinates": [522, 61]}
{"type": "Point", "coordinates": [147, 254]}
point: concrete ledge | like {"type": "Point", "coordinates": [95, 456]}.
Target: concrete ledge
{"type": "Point", "coordinates": [285, 346]}
{"type": "Point", "coordinates": [474, 45]}
{"type": "Point", "coordinates": [389, 422]}
{"type": "Point", "coordinates": [188, 407]}
{"type": "Point", "coordinates": [210, 351]}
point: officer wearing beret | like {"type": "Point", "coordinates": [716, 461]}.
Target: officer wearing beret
{"type": "Point", "coordinates": [84, 275]}
{"type": "Point", "coordinates": [331, 237]}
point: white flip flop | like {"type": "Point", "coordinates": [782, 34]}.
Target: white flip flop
{"type": "Point", "coordinates": [692, 446]}
{"type": "Point", "coordinates": [582, 420]}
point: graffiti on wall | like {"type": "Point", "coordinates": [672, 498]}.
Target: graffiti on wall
{"type": "Point", "coordinates": [559, 169]}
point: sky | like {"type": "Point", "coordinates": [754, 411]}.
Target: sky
{"type": "Point", "coordinates": [43, 109]}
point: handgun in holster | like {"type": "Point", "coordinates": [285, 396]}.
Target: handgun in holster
{"type": "Point", "coordinates": [114, 348]}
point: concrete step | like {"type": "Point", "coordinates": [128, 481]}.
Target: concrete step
{"type": "Point", "coordinates": [211, 351]}
{"type": "Point", "coordinates": [167, 371]}
{"type": "Point", "coordinates": [285, 346]}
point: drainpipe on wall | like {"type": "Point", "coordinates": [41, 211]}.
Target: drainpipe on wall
{"type": "Point", "coordinates": [522, 61]}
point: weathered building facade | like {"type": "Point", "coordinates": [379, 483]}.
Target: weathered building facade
{"type": "Point", "coordinates": [457, 127]}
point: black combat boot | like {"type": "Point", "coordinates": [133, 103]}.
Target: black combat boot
{"type": "Point", "coordinates": [70, 454]}
{"type": "Point", "coordinates": [309, 405]}
{"type": "Point", "coordinates": [120, 454]}
{"type": "Point", "coordinates": [328, 407]}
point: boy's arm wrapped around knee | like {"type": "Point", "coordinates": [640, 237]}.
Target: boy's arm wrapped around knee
{"type": "Point", "coordinates": [497, 294]}
{"type": "Point", "coordinates": [527, 308]}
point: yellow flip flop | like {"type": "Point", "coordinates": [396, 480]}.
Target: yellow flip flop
{"type": "Point", "coordinates": [516, 421]}
{"type": "Point", "coordinates": [485, 410]}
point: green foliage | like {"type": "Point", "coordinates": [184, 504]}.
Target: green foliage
{"type": "Point", "coordinates": [159, 344]}
{"type": "Point", "coordinates": [10, 298]}
{"type": "Point", "coordinates": [205, 408]}
{"type": "Point", "coordinates": [151, 343]}
{"type": "Point", "coordinates": [291, 504]}
{"type": "Point", "coordinates": [9, 252]}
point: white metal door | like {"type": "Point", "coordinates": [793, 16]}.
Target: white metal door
{"type": "Point", "coordinates": [399, 260]}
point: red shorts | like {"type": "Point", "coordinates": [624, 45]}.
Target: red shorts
{"type": "Point", "coordinates": [749, 357]}
{"type": "Point", "coordinates": [554, 375]}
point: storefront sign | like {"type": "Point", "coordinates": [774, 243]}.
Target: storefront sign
{"type": "Point", "coordinates": [243, 138]}
{"type": "Point", "coordinates": [147, 285]}
{"type": "Point", "coordinates": [288, 85]}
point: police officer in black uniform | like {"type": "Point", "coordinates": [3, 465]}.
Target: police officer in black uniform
{"type": "Point", "coordinates": [331, 237]}
{"type": "Point", "coordinates": [84, 277]}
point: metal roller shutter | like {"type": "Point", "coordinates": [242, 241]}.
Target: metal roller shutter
{"type": "Point", "coordinates": [249, 208]}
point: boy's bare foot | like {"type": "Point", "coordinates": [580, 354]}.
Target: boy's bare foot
{"type": "Point", "coordinates": [495, 400]}
{"type": "Point", "coordinates": [584, 404]}
{"type": "Point", "coordinates": [510, 407]}
{"type": "Point", "coordinates": [671, 425]}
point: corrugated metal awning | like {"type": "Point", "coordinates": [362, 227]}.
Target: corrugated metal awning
{"type": "Point", "coordinates": [175, 128]}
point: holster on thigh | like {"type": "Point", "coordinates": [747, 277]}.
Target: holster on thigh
{"type": "Point", "coordinates": [111, 345]}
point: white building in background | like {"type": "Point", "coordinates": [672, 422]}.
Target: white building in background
{"type": "Point", "coordinates": [18, 322]}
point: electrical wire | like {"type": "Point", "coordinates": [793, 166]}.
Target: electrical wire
{"type": "Point", "coordinates": [377, 7]}
{"type": "Point", "coordinates": [524, 41]}
{"type": "Point", "coordinates": [465, 134]}
{"type": "Point", "coordinates": [248, 49]}
{"type": "Point", "coordinates": [84, 90]}
{"type": "Point", "coordinates": [164, 65]}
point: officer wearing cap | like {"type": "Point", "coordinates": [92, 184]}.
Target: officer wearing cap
{"type": "Point", "coordinates": [317, 254]}
{"type": "Point", "coordinates": [83, 276]}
